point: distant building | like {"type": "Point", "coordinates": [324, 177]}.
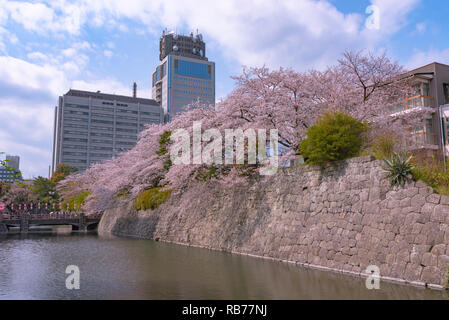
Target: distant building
{"type": "Point", "coordinates": [8, 175]}
{"type": "Point", "coordinates": [13, 161]}
{"type": "Point", "coordinates": [90, 127]}
{"type": "Point", "coordinates": [184, 74]}
{"type": "Point", "coordinates": [428, 88]}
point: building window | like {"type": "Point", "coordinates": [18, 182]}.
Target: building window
{"type": "Point", "coordinates": [446, 93]}
{"type": "Point", "coordinates": [426, 89]}
{"type": "Point", "coordinates": [163, 70]}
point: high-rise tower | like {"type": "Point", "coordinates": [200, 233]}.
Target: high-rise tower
{"type": "Point", "coordinates": [184, 74]}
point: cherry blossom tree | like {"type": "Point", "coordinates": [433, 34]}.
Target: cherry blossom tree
{"type": "Point", "coordinates": [362, 85]}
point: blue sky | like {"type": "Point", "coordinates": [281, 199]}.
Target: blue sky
{"type": "Point", "coordinates": [48, 47]}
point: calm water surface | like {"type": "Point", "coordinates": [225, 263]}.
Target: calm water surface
{"type": "Point", "coordinates": [33, 267]}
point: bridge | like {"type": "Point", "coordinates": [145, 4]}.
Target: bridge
{"type": "Point", "coordinates": [78, 221]}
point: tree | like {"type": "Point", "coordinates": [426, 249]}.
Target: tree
{"type": "Point", "coordinates": [44, 189]}
{"type": "Point", "coordinates": [19, 194]}
{"type": "Point", "coordinates": [359, 85]}
{"type": "Point", "coordinates": [62, 171]}
{"type": "Point", "coordinates": [370, 73]}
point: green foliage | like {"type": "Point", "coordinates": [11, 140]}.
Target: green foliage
{"type": "Point", "coordinates": [164, 141]}
{"type": "Point", "coordinates": [3, 163]}
{"type": "Point", "coordinates": [14, 173]}
{"type": "Point", "coordinates": [62, 171]}
{"type": "Point", "coordinates": [151, 198]}
{"type": "Point", "coordinates": [167, 164]}
{"type": "Point", "coordinates": [398, 168]}
{"type": "Point", "coordinates": [44, 189]}
{"type": "Point", "coordinates": [383, 147]}
{"type": "Point", "coordinates": [79, 200]}
{"type": "Point", "coordinates": [122, 196]}
{"type": "Point", "coordinates": [433, 173]}
{"type": "Point", "coordinates": [335, 136]}
{"type": "Point", "coordinates": [206, 174]}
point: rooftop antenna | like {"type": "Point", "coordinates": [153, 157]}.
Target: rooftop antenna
{"type": "Point", "coordinates": [135, 90]}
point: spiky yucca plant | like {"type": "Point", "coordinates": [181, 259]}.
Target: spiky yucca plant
{"type": "Point", "coordinates": [398, 168]}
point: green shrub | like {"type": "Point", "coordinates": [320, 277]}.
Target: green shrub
{"type": "Point", "coordinates": [335, 136]}
{"type": "Point", "coordinates": [151, 199]}
{"type": "Point", "coordinates": [398, 168]}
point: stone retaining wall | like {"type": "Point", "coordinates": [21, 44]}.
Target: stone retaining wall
{"type": "Point", "coordinates": [342, 218]}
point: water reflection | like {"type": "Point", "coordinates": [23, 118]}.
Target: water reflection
{"type": "Point", "coordinates": [33, 267]}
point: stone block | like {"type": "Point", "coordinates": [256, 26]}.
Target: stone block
{"type": "Point", "coordinates": [426, 191]}
{"type": "Point", "coordinates": [418, 201]}
{"type": "Point", "coordinates": [443, 262]}
{"type": "Point", "coordinates": [431, 275]}
{"type": "Point", "coordinates": [439, 249]}
{"type": "Point", "coordinates": [421, 184]}
{"type": "Point", "coordinates": [429, 260]}
{"type": "Point", "coordinates": [444, 200]}
{"type": "Point", "coordinates": [421, 239]}
{"type": "Point", "coordinates": [405, 203]}
{"type": "Point", "coordinates": [428, 208]}
{"type": "Point", "coordinates": [413, 272]}
{"type": "Point", "coordinates": [434, 198]}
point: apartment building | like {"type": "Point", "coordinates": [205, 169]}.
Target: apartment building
{"type": "Point", "coordinates": [90, 127]}
{"type": "Point", "coordinates": [184, 74]}
{"type": "Point", "coordinates": [428, 87]}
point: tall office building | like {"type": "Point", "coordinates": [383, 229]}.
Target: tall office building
{"type": "Point", "coordinates": [184, 74]}
{"type": "Point", "coordinates": [90, 127]}
{"type": "Point", "coordinates": [12, 173]}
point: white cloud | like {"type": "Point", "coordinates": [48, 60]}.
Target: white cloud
{"type": "Point", "coordinates": [296, 33]}
{"type": "Point", "coordinates": [37, 56]}
{"type": "Point", "coordinates": [33, 16]}
{"type": "Point", "coordinates": [28, 94]}
{"type": "Point", "coordinates": [421, 58]}
{"type": "Point", "coordinates": [393, 14]}
{"type": "Point", "coordinates": [23, 74]}
{"type": "Point", "coordinates": [26, 130]}
{"type": "Point", "coordinates": [112, 86]}
{"type": "Point", "coordinates": [108, 53]}
{"type": "Point", "coordinates": [421, 27]}
{"type": "Point", "coordinates": [39, 17]}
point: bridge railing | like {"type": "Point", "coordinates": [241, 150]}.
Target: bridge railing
{"type": "Point", "coordinates": [49, 216]}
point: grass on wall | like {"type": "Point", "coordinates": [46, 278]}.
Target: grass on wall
{"type": "Point", "coordinates": [432, 172]}
{"type": "Point", "coordinates": [79, 200]}
{"type": "Point", "coordinates": [151, 198]}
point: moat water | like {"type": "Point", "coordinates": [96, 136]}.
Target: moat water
{"type": "Point", "coordinates": [33, 267]}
